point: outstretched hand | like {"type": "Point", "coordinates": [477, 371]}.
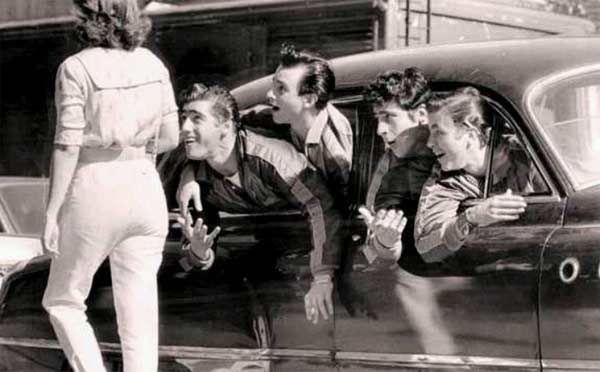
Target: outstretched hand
{"type": "Point", "coordinates": [498, 208]}
{"type": "Point", "coordinates": [386, 226]}
{"type": "Point", "coordinates": [197, 234]}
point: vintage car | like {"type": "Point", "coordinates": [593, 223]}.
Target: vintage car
{"type": "Point", "coordinates": [518, 296]}
{"type": "Point", "coordinates": [22, 204]}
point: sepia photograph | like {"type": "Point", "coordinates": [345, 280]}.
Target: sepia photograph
{"type": "Point", "coordinates": [299, 185]}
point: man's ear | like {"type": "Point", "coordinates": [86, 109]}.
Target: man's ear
{"type": "Point", "coordinates": [226, 127]}
{"type": "Point", "coordinates": [310, 100]}
{"type": "Point", "coordinates": [421, 115]}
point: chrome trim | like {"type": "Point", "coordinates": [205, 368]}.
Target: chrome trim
{"type": "Point", "coordinates": [535, 89]}
{"type": "Point", "coordinates": [570, 365]}
{"type": "Point", "coordinates": [384, 359]}
{"type": "Point", "coordinates": [435, 361]}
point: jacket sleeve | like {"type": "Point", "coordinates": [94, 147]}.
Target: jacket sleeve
{"type": "Point", "coordinates": [437, 232]}
{"type": "Point", "coordinates": [303, 186]}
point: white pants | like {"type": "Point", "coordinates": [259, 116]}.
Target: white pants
{"type": "Point", "coordinates": [114, 209]}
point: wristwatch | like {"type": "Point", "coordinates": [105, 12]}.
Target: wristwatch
{"type": "Point", "coordinates": [464, 225]}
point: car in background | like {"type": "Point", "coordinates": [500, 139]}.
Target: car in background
{"type": "Point", "coordinates": [22, 207]}
{"type": "Point", "coordinates": [518, 296]}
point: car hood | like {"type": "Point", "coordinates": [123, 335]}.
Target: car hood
{"type": "Point", "coordinates": [17, 248]}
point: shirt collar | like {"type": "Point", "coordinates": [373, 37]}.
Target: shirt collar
{"type": "Point", "coordinates": [316, 130]}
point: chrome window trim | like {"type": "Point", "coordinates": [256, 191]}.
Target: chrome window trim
{"type": "Point", "coordinates": [323, 356]}
{"type": "Point", "coordinates": [533, 91]}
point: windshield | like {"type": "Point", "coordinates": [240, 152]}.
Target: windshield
{"type": "Point", "coordinates": [25, 205]}
{"type": "Point", "coordinates": [569, 114]}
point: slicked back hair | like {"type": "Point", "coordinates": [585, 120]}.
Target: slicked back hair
{"type": "Point", "coordinates": [224, 107]}
{"type": "Point", "coordinates": [318, 78]}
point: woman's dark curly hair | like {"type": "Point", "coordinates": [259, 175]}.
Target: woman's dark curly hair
{"type": "Point", "coordinates": [224, 106]}
{"type": "Point", "coordinates": [409, 89]}
{"type": "Point", "coordinates": [111, 23]}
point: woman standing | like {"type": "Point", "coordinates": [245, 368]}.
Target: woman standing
{"type": "Point", "coordinates": [115, 107]}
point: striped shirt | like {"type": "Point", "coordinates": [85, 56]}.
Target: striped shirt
{"type": "Point", "coordinates": [328, 146]}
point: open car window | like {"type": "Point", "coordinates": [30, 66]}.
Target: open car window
{"type": "Point", "coordinates": [511, 164]}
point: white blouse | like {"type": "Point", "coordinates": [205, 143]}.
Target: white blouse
{"type": "Point", "coordinates": [112, 98]}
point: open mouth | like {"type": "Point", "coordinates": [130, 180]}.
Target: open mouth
{"type": "Point", "coordinates": [273, 106]}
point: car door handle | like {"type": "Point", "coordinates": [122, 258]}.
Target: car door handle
{"type": "Point", "coordinates": [568, 271]}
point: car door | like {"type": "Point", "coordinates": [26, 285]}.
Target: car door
{"type": "Point", "coordinates": [247, 311]}
{"type": "Point", "coordinates": [476, 310]}
{"type": "Point", "coordinates": [567, 111]}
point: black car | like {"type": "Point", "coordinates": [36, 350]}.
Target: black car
{"type": "Point", "coordinates": [518, 296]}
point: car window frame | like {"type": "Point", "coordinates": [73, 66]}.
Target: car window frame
{"type": "Point", "coordinates": [501, 111]}
{"type": "Point", "coordinates": [533, 91]}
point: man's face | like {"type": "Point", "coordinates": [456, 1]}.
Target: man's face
{"type": "Point", "coordinates": [283, 96]}
{"type": "Point", "coordinates": [448, 142]}
{"type": "Point", "coordinates": [201, 131]}
{"type": "Point", "coordinates": [394, 123]}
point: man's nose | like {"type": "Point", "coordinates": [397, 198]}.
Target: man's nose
{"type": "Point", "coordinates": [381, 128]}
{"type": "Point", "coordinates": [430, 141]}
{"type": "Point", "coordinates": [186, 126]}
{"type": "Point", "coordinates": [270, 96]}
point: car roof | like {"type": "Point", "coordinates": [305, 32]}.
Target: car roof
{"type": "Point", "coordinates": [509, 67]}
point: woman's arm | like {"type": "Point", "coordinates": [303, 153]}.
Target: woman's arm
{"type": "Point", "coordinates": [168, 135]}
{"type": "Point", "coordinates": [64, 160]}
{"type": "Point", "coordinates": [70, 99]}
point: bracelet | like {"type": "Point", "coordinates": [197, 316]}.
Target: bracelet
{"type": "Point", "coordinates": [325, 279]}
{"type": "Point", "coordinates": [469, 216]}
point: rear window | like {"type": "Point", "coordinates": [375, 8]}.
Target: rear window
{"type": "Point", "coordinates": [568, 112]}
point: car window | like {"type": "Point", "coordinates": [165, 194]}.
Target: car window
{"type": "Point", "coordinates": [367, 147]}
{"type": "Point", "coordinates": [511, 165]}
{"type": "Point", "coordinates": [568, 112]}
{"type": "Point", "coordinates": [25, 206]}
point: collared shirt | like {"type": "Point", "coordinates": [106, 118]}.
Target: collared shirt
{"type": "Point", "coordinates": [273, 175]}
{"type": "Point", "coordinates": [328, 146]}
{"type": "Point", "coordinates": [112, 98]}
{"type": "Point", "coordinates": [437, 232]}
